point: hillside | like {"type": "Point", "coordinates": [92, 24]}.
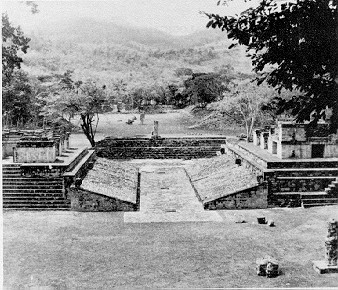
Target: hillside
{"type": "Point", "coordinates": [109, 51]}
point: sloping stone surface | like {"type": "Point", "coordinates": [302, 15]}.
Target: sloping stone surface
{"type": "Point", "coordinates": [219, 176]}
{"type": "Point", "coordinates": [113, 179]}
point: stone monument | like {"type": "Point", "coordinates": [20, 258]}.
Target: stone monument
{"type": "Point", "coordinates": [154, 133]}
{"type": "Point", "coordinates": [142, 117]}
{"type": "Point", "coordinates": [329, 265]}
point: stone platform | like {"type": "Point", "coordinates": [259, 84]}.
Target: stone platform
{"type": "Point", "coordinates": [270, 161]}
{"type": "Point", "coordinates": [43, 186]}
{"type": "Point", "coordinates": [290, 182]}
{"type": "Point", "coordinates": [321, 267]}
{"type": "Point", "coordinates": [166, 195]}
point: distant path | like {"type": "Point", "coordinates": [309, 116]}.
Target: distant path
{"type": "Point", "coordinates": [167, 196]}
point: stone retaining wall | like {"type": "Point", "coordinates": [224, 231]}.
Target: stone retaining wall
{"type": "Point", "coordinates": [253, 197]}
{"type": "Point", "coordinates": [160, 142]}
{"type": "Point", "coordinates": [161, 148]}
{"type": "Point", "coordinates": [299, 185]}
{"type": "Point", "coordinates": [82, 200]}
{"type": "Point", "coordinates": [156, 152]}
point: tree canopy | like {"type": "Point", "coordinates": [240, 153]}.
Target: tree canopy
{"type": "Point", "coordinates": [292, 45]}
{"type": "Point", "coordinates": [13, 41]}
{"type": "Point", "coordinates": [69, 98]}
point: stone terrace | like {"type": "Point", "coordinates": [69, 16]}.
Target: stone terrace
{"type": "Point", "coordinates": [270, 161]}
{"type": "Point", "coordinates": [291, 182]}
{"type": "Point", "coordinates": [42, 186]}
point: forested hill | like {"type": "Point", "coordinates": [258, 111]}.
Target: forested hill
{"type": "Point", "coordinates": [108, 51]}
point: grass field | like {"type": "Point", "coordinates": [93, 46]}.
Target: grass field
{"type": "Point", "coordinates": [71, 250]}
{"type": "Point", "coordinates": [172, 123]}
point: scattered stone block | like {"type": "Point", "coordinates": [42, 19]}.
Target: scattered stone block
{"type": "Point", "coordinates": [261, 220]}
{"type": "Point", "coordinates": [240, 220]}
{"type": "Point", "coordinates": [271, 223]}
{"type": "Point", "coordinates": [267, 266]}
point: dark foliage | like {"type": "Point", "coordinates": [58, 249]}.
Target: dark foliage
{"type": "Point", "coordinates": [292, 46]}
{"type": "Point", "coordinates": [13, 41]}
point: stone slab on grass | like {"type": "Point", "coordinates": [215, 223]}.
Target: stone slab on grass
{"type": "Point", "coordinates": [321, 267]}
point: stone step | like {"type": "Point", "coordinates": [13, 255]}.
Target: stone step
{"type": "Point", "coordinates": [32, 196]}
{"type": "Point", "coordinates": [31, 187]}
{"type": "Point", "coordinates": [39, 200]}
{"type": "Point", "coordinates": [37, 208]}
{"type": "Point", "coordinates": [15, 175]}
{"type": "Point", "coordinates": [319, 200]}
{"type": "Point", "coordinates": [10, 175]}
{"type": "Point", "coordinates": [27, 179]}
{"type": "Point", "coordinates": [32, 183]}
{"type": "Point", "coordinates": [319, 203]}
{"type": "Point", "coordinates": [29, 191]}
{"type": "Point", "coordinates": [23, 206]}
{"type": "Point", "coordinates": [24, 181]}
{"type": "Point", "coordinates": [313, 195]}
{"type": "Point", "coordinates": [11, 165]}
{"type": "Point", "coordinates": [36, 203]}
{"type": "Point", "coordinates": [307, 172]}
{"type": "Point", "coordinates": [13, 169]}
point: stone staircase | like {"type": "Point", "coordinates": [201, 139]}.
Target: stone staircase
{"type": "Point", "coordinates": [307, 187]}
{"type": "Point", "coordinates": [328, 197]}
{"type": "Point", "coordinates": [23, 193]}
{"type": "Point", "coordinates": [310, 199]}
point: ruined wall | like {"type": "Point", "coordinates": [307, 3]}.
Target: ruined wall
{"type": "Point", "coordinates": [37, 154]}
{"type": "Point", "coordinates": [289, 132]}
{"type": "Point", "coordinates": [82, 200]}
{"type": "Point", "coordinates": [8, 144]}
{"type": "Point", "coordinates": [331, 150]}
{"type": "Point", "coordinates": [254, 197]}
{"type": "Point", "coordinates": [298, 151]}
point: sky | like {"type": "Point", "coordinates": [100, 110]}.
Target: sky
{"type": "Point", "coordinates": [177, 17]}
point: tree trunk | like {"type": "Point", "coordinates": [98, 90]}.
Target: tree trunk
{"type": "Point", "coordinates": [88, 129]}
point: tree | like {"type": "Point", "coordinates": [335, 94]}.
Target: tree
{"type": "Point", "coordinates": [16, 99]}
{"type": "Point", "coordinates": [120, 92]}
{"type": "Point", "coordinates": [292, 46]}
{"type": "Point", "coordinates": [204, 88]}
{"type": "Point", "coordinates": [85, 100]}
{"type": "Point", "coordinates": [243, 105]}
{"type": "Point", "coordinates": [13, 41]}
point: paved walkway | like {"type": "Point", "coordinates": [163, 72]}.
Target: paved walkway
{"type": "Point", "coordinates": [167, 196]}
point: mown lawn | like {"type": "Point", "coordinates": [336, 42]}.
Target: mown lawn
{"type": "Point", "coordinates": [68, 250]}
{"type": "Point", "coordinates": [171, 123]}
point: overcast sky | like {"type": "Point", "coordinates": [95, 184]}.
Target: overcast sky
{"type": "Point", "coordinates": [174, 16]}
